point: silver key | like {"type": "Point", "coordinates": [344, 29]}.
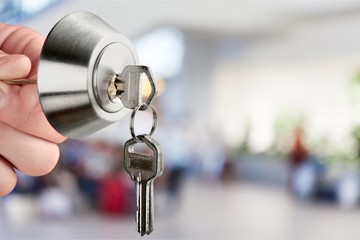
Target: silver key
{"type": "Point", "coordinates": [144, 168]}
{"type": "Point", "coordinates": [127, 86]}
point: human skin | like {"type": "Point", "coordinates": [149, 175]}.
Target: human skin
{"type": "Point", "coordinates": [27, 141]}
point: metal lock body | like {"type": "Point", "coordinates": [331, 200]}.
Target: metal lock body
{"type": "Point", "coordinates": [80, 56]}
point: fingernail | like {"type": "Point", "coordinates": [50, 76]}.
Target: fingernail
{"type": "Point", "coordinates": [4, 88]}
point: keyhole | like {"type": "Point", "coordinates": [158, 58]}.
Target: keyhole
{"type": "Point", "coordinates": [116, 87]}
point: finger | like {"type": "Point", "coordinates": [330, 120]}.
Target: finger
{"type": "Point", "coordinates": [31, 155]}
{"type": "Point", "coordinates": [21, 110]}
{"type": "Point", "coordinates": [37, 123]}
{"type": "Point", "coordinates": [22, 40]}
{"type": "Point", "coordinates": [14, 66]}
{"type": "Point", "coordinates": [7, 177]}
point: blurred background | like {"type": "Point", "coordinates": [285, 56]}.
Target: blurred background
{"type": "Point", "coordinates": [259, 122]}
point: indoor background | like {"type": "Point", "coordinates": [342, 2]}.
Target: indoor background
{"type": "Point", "coordinates": [259, 122]}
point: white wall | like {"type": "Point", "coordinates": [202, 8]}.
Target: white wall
{"type": "Point", "coordinates": [306, 69]}
{"type": "Point", "coordinates": [304, 65]}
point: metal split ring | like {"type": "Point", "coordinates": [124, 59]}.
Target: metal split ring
{"type": "Point", "coordinates": [132, 120]}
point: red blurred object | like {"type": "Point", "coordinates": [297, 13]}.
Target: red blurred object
{"type": "Point", "coordinates": [113, 195]}
{"type": "Point", "coordinates": [298, 152]}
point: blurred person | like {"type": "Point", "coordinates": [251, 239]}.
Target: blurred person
{"type": "Point", "coordinates": [306, 171]}
{"type": "Point", "coordinates": [91, 163]}
{"type": "Point", "coordinates": [229, 172]}
{"type": "Point", "coordinates": [297, 156]}
{"type": "Point", "coordinates": [213, 158]}
{"type": "Point", "coordinates": [348, 190]}
{"type": "Point", "coordinates": [72, 152]}
{"type": "Point", "coordinates": [60, 196]}
{"type": "Point", "coordinates": [27, 141]}
{"type": "Point", "coordinates": [115, 187]}
{"type": "Point", "coordinates": [26, 184]}
{"type": "Point", "coordinates": [298, 153]}
{"type": "Point", "coordinates": [115, 191]}
{"type": "Point", "coordinates": [178, 159]}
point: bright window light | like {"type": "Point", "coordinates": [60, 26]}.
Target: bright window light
{"type": "Point", "coordinates": [163, 50]}
{"type": "Point", "coordinates": [34, 6]}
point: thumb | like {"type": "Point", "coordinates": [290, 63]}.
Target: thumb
{"type": "Point", "coordinates": [14, 66]}
{"type": "Point", "coordinates": [11, 67]}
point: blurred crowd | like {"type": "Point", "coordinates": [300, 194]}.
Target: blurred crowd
{"type": "Point", "coordinates": [90, 175]}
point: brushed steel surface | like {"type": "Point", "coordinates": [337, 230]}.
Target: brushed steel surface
{"type": "Point", "coordinates": [80, 55]}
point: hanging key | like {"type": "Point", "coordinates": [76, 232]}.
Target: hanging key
{"type": "Point", "coordinates": [143, 169]}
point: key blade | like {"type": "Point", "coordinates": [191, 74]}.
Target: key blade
{"type": "Point", "coordinates": [150, 224]}
{"type": "Point", "coordinates": [143, 169]}
{"type": "Point", "coordinates": [145, 207]}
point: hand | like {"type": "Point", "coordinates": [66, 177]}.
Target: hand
{"type": "Point", "coordinates": [27, 141]}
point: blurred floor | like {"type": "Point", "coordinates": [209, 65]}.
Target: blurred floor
{"type": "Point", "coordinates": [217, 212]}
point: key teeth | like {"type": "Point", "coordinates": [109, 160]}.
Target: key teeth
{"type": "Point", "coordinates": [145, 231]}
{"type": "Point", "coordinates": [142, 233]}
{"type": "Point", "coordinates": [149, 231]}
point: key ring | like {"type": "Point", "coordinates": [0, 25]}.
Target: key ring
{"type": "Point", "coordinates": [132, 120]}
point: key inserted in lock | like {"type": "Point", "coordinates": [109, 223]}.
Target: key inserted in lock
{"type": "Point", "coordinates": [80, 56]}
{"type": "Point", "coordinates": [126, 87]}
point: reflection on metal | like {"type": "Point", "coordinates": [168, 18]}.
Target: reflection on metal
{"type": "Point", "coordinates": [74, 74]}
